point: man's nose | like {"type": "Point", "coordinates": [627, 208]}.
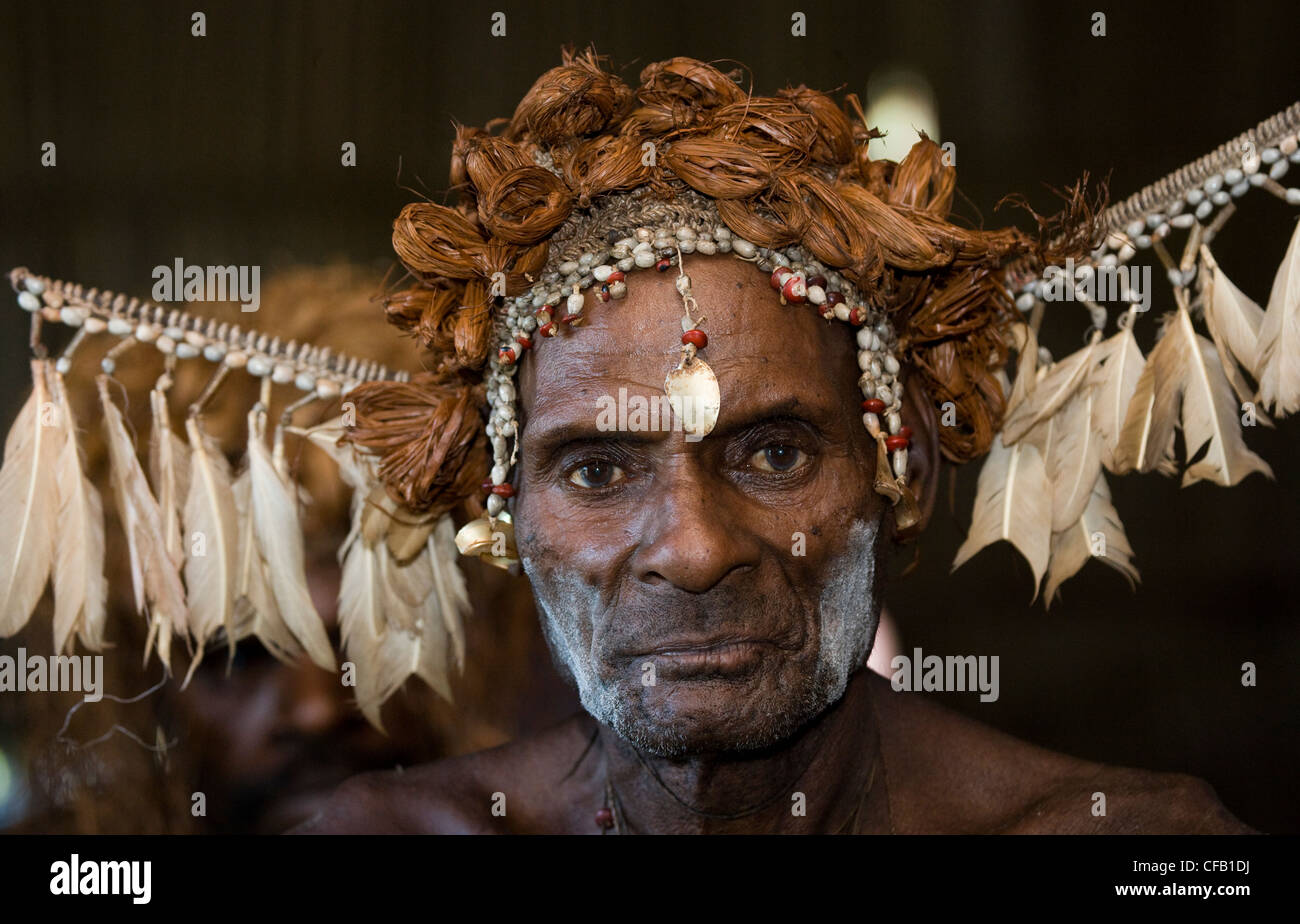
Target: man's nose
{"type": "Point", "coordinates": [691, 537]}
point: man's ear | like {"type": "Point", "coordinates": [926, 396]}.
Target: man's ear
{"type": "Point", "coordinates": [923, 459]}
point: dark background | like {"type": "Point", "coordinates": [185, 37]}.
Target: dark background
{"type": "Point", "coordinates": [226, 149]}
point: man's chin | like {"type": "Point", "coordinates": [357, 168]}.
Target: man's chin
{"type": "Point", "coordinates": [689, 717]}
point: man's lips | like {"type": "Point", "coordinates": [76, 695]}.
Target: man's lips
{"type": "Point", "coordinates": [724, 657]}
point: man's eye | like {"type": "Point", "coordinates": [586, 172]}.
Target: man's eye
{"type": "Point", "coordinates": [596, 475]}
{"type": "Point", "coordinates": [778, 459]}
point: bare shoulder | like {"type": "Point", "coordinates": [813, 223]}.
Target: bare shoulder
{"type": "Point", "coordinates": [948, 773]}
{"type": "Point", "coordinates": [458, 795]}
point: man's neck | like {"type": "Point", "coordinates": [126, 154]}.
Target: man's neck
{"type": "Point", "coordinates": [825, 778]}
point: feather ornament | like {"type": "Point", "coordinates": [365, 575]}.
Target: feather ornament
{"type": "Point", "coordinates": [379, 630]}
{"type": "Point", "coordinates": [1025, 341]}
{"type": "Point", "coordinates": [399, 613]}
{"type": "Point", "coordinates": [1071, 451]}
{"type": "Point", "coordinates": [1278, 361]}
{"type": "Point", "coordinates": [387, 638]}
{"type": "Point", "coordinates": [1097, 533]}
{"type": "Point", "coordinates": [80, 588]}
{"type": "Point", "coordinates": [28, 495]}
{"type": "Point", "coordinates": [1118, 366]}
{"type": "Point", "coordinates": [1210, 417]}
{"type": "Point", "coordinates": [407, 586]}
{"type": "Point", "coordinates": [1013, 501]}
{"type": "Point", "coordinates": [1233, 321]}
{"type": "Point", "coordinates": [1184, 385]}
{"type": "Point", "coordinates": [280, 542]}
{"type": "Point", "coordinates": [430, 580]}
{"type": "Point", "coordinates": [169, 468]}
{"type": "Point", "coordinates": [383, 662]}
{"type": "Point", "coordinates": [1057, 385]}
{"type": "Point", "coordinates": [1146, 438]}
{"type": "Point", "coordinates": [360, 587]}
{"type": "Point", "coordinates": [449, 585]}
{"type": "Point", "coordinates": [211, 540]}
{"type": "Point", "coordinates": [434, 665]}
{"type": "Point", "coordinates": [154, 577]}
{"type": "Point", "coordinates": [255, 611]}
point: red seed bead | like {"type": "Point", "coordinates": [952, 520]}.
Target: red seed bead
{"type": "Point", "coordinates": [663, 264]}
{"type": "Point", "coordinates": [605, 818]}
{"type": "Point", "coordinates": [834, 298]}
{"type": "Point", "coordinates": [905, 432]}
{"type": "Point", "coordinates": [524, 341]}
{"type": "Point", "coordinates": [779, 276]}
{"type": "Point", "coordinates": [697, 337]}
{"type": "Point", "coordinates": [617, 276]}
{"type": "Point", "coordinates": [507, 355]}
{"type": "Point", "coordinates": [873, 406]}
{"type": "Point", "coordinates": [504, 490]}
{"type": "Point", "coordinates": [891, 443]}
{"type": "Point", "coordinates": [547, 329]}
{"type": "Point", "coordinates": [604, 293]}
{"type": "Point", "coordinates": [819, 281]}
{"type": "Point", "coordinates": [795, 290]}
{"type": "Point", "coordinates": [572, 319]}
{"type": "Point", "coordinates": [857, 316]}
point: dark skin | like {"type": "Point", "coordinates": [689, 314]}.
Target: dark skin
{"type": "Point", "coordinates": [683, 551]}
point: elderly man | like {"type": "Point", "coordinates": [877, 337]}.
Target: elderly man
{"type": "Point", "coordinates": [692, 357]}
{"type": "Point", "coordinates": [723, 676]}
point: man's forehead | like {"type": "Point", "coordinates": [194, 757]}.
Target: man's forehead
{"type": "Point", "coordinates": [765, 355]}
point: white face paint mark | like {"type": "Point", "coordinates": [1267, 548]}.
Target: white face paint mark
{"type": "Point", "coordinates": [848, 614]}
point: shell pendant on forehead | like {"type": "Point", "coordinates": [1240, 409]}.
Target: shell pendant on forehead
{"type": "Point", "coordinates": [692, 390]}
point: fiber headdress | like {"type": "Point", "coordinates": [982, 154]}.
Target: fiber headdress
{"type": "Point", "coordinates": [590, 183]}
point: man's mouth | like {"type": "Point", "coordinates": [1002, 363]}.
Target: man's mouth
{"type": "Point", "coordinates": [725, 657]}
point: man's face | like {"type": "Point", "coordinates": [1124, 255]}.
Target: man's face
{"type": "Point", "coordinates": [712, 595]}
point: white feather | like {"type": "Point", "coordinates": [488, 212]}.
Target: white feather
{"type": "Point", "coordinates": [396, 618]}
{"type": "Point", "coordinates": [280, 543]}
{"type": "Point", "coordinates": [1114, 379]}
{"type": "Point", "coordinates": [29, 499]}
{"type": "Point", "coordinates": [255, 611]}
{"type": "Point", "coordinates": [361, 595]}
{"type": "Point", "coordinates": [80, 588]}
{"type": "Point", "coordinates": [449, 585]}
{"type": "Point", "coordinates": [1233, 321]}
{"type": "Point", "coordinates": [1210, 415]}
{"type": "Point", "coordinates": [1146, 438]}
{"type": "Point", "coordinates": [384, 653]}
{"type": "Point", "coordinates": [1071, 451]}
{"type": "Point", "coordinates": [156, 580]}
{"type": "Point", "coordinates": [169, 469]}
{"type": "Point", "coordinates": [211, 538]}
{"type": "Point", "coordinates": [1013, 501]}
{"type": "Point", "coordinates": [1053, 388]}
{"type": "Point", "coordinates": [1097, 533]}
{"type": "Point", "coordinates": [1278, 360]}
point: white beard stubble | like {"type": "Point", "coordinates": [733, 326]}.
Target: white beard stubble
{"type": "Point", "coordinates": [848, 612]}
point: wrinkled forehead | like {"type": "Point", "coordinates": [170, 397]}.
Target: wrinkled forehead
{"type": "Point", "coordinates": [763, 353]}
